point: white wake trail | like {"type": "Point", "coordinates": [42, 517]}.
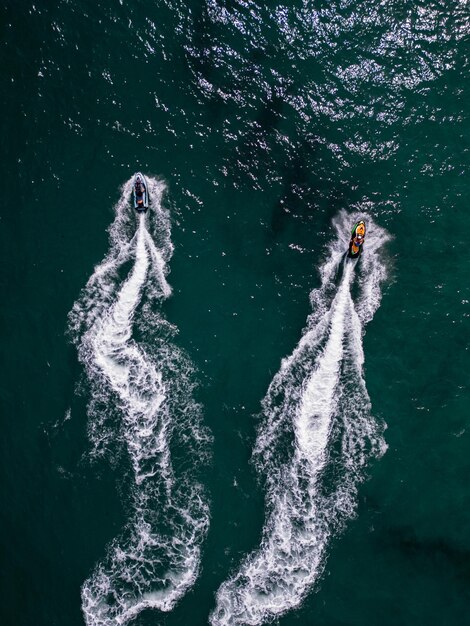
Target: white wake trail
{"type": "Point", "coordinates": [312, 421]}
{"type": "Point", "coordinates": [141, 396]}
{"type": "Point", "coordinates": [131, 374]}
{"type": "Point", "coordinates": [313, 444]}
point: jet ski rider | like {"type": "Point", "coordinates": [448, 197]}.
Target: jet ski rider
{"type": "Point", "coordinates": [139, 189]}
{"type": "Point", "coordinates": [139, 192]}
{"type": "Point", "coordinates": [358, 240]}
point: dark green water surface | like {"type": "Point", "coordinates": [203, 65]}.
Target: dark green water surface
{"type": "Point", "coordinates": [265, 120]}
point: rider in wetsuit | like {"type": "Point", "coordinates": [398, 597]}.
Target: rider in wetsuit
{"type": "Point", "coordinates": [139, 188]}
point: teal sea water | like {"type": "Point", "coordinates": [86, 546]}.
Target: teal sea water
{"type": "Point", "coordinates": [208, 416]}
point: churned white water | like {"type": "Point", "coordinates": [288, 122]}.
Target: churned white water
{"type": "Point", "coordinates": [141, 399]}
{"type": "Point", "coordinates": [315, 439]}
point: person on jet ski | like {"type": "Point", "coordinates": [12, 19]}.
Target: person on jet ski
{"type": "Point", "coordinates": [358, 240]}
{"type": "Point", "coordinates": [139, 189]}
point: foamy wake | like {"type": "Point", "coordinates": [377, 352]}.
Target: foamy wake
{"type": "Point", "coordinates": [141, 397]}
{"type": "Point", "coordinates": [315, 439]}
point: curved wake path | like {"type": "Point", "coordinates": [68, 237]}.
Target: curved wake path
{"type": "Point", "coordinates": [141, 397]}
{"type": "Point", "coordinates": [314, 442]}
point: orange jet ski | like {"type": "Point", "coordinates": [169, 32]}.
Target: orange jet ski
{"type": "Point", "coordinates": [357, 239]}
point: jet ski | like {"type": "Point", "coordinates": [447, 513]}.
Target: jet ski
{"type": "Point", "coordinates": [140, 193]}
{"type": "Point", "coordinates": [357, 240]}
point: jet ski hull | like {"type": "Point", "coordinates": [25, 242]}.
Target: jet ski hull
{"type": "Point", "coordinates": [354, 250]}
{"type": "Point", "coordinates": [140, 195]}
{"type": "Point", "coordinates": [352, 254]}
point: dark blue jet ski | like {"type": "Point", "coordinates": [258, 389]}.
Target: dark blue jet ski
{"type": "Point", "coordinates": [140, 193]}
